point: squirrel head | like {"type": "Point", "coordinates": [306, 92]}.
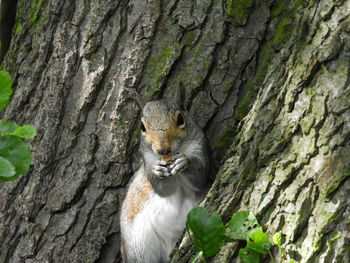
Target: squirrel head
{"type": "Point", "coordinates": [163, 123]}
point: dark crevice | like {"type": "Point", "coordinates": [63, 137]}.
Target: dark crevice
{"type": "Point", "coordinates": [107, 251]}
{"type": "Point", "coordinates": [215, 102]}
{"type": "Point", "coordinates": [83, 115]}
{"type": "Point", "coordinates": [12, 196]}
{"type": "Point", "coordinates": [102, 26]}
{"type": "Point", "coordinates": [83, 230]}
{"type": "Point", "coordinates": [38, 73]}
{"type": "Point", "coordinates": [344, 180]}
{"type": "Point", "coordinates": [83, 185]}
{"type": "Point", "coordinates": [7, 21]}
{"type": "Point", "coordinates": [171, 71]}
{"type": "Point", "coordinates": [139, 84]}
{"type": "Point", "coordinates": [87, 222]}
{"type": "Point", "coordinates": [172, 9]}
{"type": "Point", "coordinates": [12, 245]}
{"type": "Point", "coordinates": [305, 214]}
{"type": "Point", "coordinates": [115, 45]}
{"type": "Point", "coordinates": [308, 80]}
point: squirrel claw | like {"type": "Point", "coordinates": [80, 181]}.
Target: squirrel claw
{"type": "Point", "coordinates": [161, 163]}
{"type": "Point", "coordinates": [160, 171]}
{"type": "Point", "coordinates": [180, 163]}
{"type": "Point", "coordinates": [178, 156]}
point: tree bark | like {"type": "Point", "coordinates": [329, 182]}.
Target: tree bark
{"type": "Point", "coordinates": [268, 81]}
{"type": "Point", "coordinates": [290, 161]}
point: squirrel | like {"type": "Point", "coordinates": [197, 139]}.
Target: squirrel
{"type": "Point", "coordinates": [172, 180]}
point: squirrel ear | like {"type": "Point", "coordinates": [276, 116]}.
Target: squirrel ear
{"type": "Point", "coordinates": [181, 96]}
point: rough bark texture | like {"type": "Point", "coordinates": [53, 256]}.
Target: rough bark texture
{"type": "Point", "coordinates": [278, 68]}
{"type": "Point", "coordinates": [290, 161]}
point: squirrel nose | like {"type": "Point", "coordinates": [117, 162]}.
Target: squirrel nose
{"type": "Point", "coordinates": [162, 147]}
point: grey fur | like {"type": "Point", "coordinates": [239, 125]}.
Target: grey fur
{"type": "Point", "coordinates": [193, 145]}
{"type": "Point", "coordinates": [176, 187]}
{"type": "Point", "coordinates": [159, 111]}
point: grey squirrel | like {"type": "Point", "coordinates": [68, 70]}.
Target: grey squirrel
{"type": "Point", "coordinates": [171, 181]}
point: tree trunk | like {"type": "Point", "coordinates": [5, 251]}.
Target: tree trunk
{"type": "Point", "coordinates": [267, 80]}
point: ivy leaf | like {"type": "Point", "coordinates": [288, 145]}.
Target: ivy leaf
{"type": "Point", "coordinates": [25, 132]}
{"type": "Point", "coordinates": [18, 153]}
{"type": "Point", "coordinates": [259, 242]}
{"type": "Point", "coordinates": [241, 225]}
{"type": "Point", "coordinates": [5, 89]}
{"type": "Point", "coordinates": [277, 239]}
{"type": "Point", "coordinates": [207, 229]}
{"type": "Point", "coordinates": [6, 168]}
{"type": "Point", "coordinates": [7, 127]}
{"type": "Point", "coordinates": [10, 128]}
{"type": "Point", "coordinates": [249, 256]}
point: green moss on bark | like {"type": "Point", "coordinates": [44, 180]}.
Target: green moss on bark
{"type": "Point", "coordinates": [189, 38]}
{"type": "Point", "coordinates": [250, 90]}
{"type": "Point", "coordinates": [158, 66]}
{"type": "Point", "coordinates": [282, 33]}
{"type": "Point", "coordinates": [239, 10]}
{"type": "Point", "coordinates": [225, 139]}
{"type": "Point", "coordinates": [284, 14]}
{"type": "Point", "coordinates": [19, 30]}
{"type": "Point", "coordinates": [34, 15]}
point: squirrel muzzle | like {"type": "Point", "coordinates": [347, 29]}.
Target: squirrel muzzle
{"type": "Point", "coordinates": [162, 147]}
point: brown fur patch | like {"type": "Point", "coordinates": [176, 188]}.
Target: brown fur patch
{"type": "Point", "coordinates": [136, 197]}
{"type": "Point", "coordinates": [166, 158]}
{"type": "Point", "coordinates": [162, 139]}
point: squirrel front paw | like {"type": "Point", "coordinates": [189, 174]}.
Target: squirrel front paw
{"type": "Point", "coordinates": [160, 169]}
{"type": "Point", "coordinates": [179, 163]}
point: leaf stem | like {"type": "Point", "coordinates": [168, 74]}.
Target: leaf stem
{"type": "Point", "coordinates": [199, 255]}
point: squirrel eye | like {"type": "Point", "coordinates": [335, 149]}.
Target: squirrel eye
{"type": "Point", "coordinates": [180, 122]}
{"type": "Point", "coordinates": [143, 128]}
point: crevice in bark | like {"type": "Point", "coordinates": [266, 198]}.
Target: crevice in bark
{"type": "Point", "coordinates": [7, 21]}
{"type": "Point", "coordinates": [105, 253]}
{"type": "Point", "coordinates": [310, 204]}
{"type": "Point", "coordinates": [170, 74]}
{"type": "Point", "coordinates": [14, 241]}
{"type": "Point", "coordinates": [83, 230]}
{"type": "Point", "coordinates": [173, 7]}
{"type": "Point", "coordinates": [81, 145]}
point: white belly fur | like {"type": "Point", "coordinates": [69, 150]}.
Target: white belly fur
{"type": "Point", "coordinates": [152, 234]}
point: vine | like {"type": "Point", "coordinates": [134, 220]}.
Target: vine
{"type": "Point", "coordinates": [15, 154]}
{"type": "Point", "coordinates": [208, 234]}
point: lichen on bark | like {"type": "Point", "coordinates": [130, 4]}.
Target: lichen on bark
{"type": "Point", "coordinates": [289, 162]}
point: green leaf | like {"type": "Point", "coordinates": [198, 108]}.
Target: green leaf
{"type": "Point", "coordinates": [198, 257]}
{"type": "Point", "coordinates": [207, 229]}
{"type": "Point", "coordinates": [277, 239]}
{"type": "Point", "coordinates": [5, 89]}
{"type": "Point", "coordinates": [249, 256]}
{"type": "Point", "coordinates": [17, 153]}
{"type": "Point", "coordinates": [259, 242]}
{"type": "Point", "coordinates": [7, 127]}
{"type": "Point", "coordinates": [10, 128]}
{"type": "Point", "coordinates": [241, 225]}
{"type": "Point", "coordinates": [6, 168]}
{"type": "Point", "coordinates": [25, 132]}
